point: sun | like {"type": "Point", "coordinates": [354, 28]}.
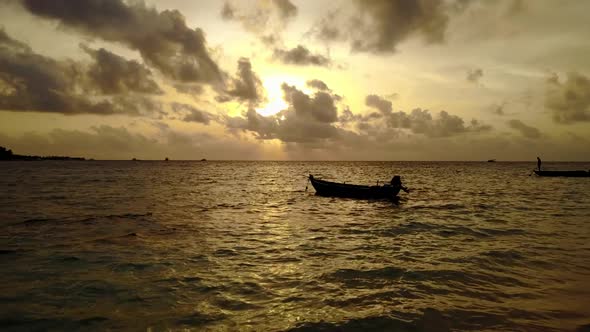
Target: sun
{"type": "Point", "coordinates": [274, 92]}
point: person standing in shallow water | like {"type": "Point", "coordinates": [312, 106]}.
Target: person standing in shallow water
{"type": "Point", "coordinates": [396, 181]}
{"type": "Point", "coordinates": [539, 163]}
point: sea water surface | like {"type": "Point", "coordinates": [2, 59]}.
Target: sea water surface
{"type": "Point", "coordinates": [228, 246]}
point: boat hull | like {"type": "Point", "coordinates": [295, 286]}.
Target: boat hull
{"type": "Point", "coordinates": [575, 174]}
{"type": "Point", "coordinates": [335, 189]}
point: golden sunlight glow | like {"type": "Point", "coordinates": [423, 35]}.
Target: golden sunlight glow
{"type": "Point", "coordinates": [274, 92]}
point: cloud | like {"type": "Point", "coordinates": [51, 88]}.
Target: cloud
{"type": "Point", "coordinates": [379, 103]}
{"type": "Point", "coordinates": [261, 17]}
{"type": "Point", "coordinates": [307, 120]}
{"type": "Point", "coordinates": [162, 38]}
{"type": "Point", "coordinates": [499, 109]}
{"type": "Point", "coordinates": [525, 130]}
{"type": "Point", "coordinates": [113, 74]}
{"type": "Point", "coordinates": [192, 113]}
{"type": "Point", "coordinates": [318, 84]}
{"type": "Point", "coordinates": [321, 107]}
{"type": "Point", "coordinates": [285, 8]}
{"type": "Point", "coordinates": [33, 82]}
{"type": "Point", "coordinates": [314, 121]}
{"type": "Point", "coordinates": [6, 42]}
{"type": "Point", "coordinates": [380, 25]}
{"type": "Point", "coordinates": [473, 75]}
{"type": "Point", "coordinates": [227, 11]}
{"type": "Point", "coordinates": [287, 126]}
{"type": "Point", "coordinates": [420, 121]}
{"type": "Point", "coordinates": [569, 101]}
{"type": "Point", "coordinates": [247, 85]}
{"type": "Point", "coordinates": [300, 56]}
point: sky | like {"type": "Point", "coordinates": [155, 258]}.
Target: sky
{"type": "Point", "coordinates": [296, 80]}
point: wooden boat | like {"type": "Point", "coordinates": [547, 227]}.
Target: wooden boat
{"type": "Point", "coordinates": [336, 189]}
{"type": "Point", "coordinates": [576, 174]}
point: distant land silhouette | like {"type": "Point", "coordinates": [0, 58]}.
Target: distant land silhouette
{"type": "Point", "coordinates": [7, 154]}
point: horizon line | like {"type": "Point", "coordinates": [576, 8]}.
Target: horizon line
{"type": "Point", "coordinates": [330, 160]}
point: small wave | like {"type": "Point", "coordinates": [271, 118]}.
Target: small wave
{"type": "Point", "coordinates": [126, 215]}
{"type": "Point", "coordinates": [234, 304]}
{"type": "Point", "coordinates": [459, 230]}
{"type": "Point", "coordinates": [225, 252]}
{"type": "Point", "coordinates": [441, 230]}
{"type": "Point", "coordinates": [379, 277]}
{"type": "Point", "coordinates": [198, 319]}
{"type": "Point", "coordinates": [126, 267]}
{"type": "Point", "coordinates": [37, 220]}
{"type": "Point", "coordinates": [502, 232]}
{"type": "Point", "coordinates": [67, 259]}
{"type": "Point", "coordinates": [21, 322]}
{"type": "Point", "coordinates": [429, 320]}
{"type": "Point", "coordinates": [504, 256]}
{"type": "Point", "coordinates": [354, 277]}
{"type": "Point", "coordinates": [92, 320]}
{"type": "Point", "coordinates": [443, 206]}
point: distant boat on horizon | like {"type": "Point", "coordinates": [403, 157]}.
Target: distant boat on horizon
{"type": "Point", "coordinates": [203, 159]}
{"type": "Point", "coordinates": [491, 160]}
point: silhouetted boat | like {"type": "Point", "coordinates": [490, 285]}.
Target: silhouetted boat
{"type": "Point", "coordinates": [336, 189]}
{"type": "Point", "coordinates": [575, 174]}
{"type": "Point", "coordinates": [491, 160]}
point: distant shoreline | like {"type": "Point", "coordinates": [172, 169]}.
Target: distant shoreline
{"type": "Point", "coordinates": [7, 155]}
{"type": "Point", "coordinates": [39, 158]}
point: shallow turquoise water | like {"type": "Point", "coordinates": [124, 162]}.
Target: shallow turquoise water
{"type": "Point", "coordinates": [101, 245]}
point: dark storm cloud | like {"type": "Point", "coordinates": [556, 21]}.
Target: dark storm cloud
{"type": "Point", "coordinates": [33, 82]}
{"type": "Point", "coordinates": [569, 101]}
{"type": "Point", "coordinates": [246, 86]}
{"type": "Point", "coordinates": [525, 130]}
{"type": "Point", "coordinates": [113, 74]}
{"type": "Point", "coordinates": [473, 75]}
{"type": "Point", "coordinates": [192, 114]}
{"type": "Point", "coordinates": [300, 56]}
{"type": "Point", "coordinates": [421, 121]}
{"type": "Point", "coordinates": [162, 38]}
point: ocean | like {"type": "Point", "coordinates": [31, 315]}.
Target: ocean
{"type": "Point", "coordinates": [244, 246]}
